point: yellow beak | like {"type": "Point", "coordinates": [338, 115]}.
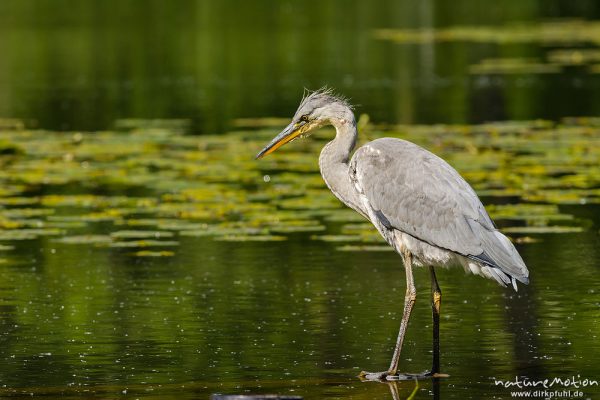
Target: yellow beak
{"type": "Point", "coordinates": [292, 131]}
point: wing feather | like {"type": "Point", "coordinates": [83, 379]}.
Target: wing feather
{"type": "Point", "coordinates": [420, 194]}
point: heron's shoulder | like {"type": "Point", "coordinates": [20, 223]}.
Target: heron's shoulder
{"type": "Point", "coordinates": [393, 147]}
{"type": "Point", "coordinates": [392, 152]}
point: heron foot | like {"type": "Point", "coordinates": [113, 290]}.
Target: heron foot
{"type": "Point", "coordinates": [374, 376]}
{"type": "Point", "coordinates": [395, 376]}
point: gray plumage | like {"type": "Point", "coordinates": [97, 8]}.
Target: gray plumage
{"type": "Point", "coordinates": [422, 207]}
{"type": "Point", "coordinates": [403, 188]}
{"type": "Point", "coordinates": [416, 192]}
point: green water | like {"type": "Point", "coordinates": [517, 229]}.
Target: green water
{"type": "Point", "coordinates": [84, 64]}
{"type": "Point", "coordinates": [139, 260]}
{"type": "Point", "coordinates": [161, 265]}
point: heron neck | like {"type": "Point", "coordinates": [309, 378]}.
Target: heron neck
{"type": "Point", "coordinates": [333, 163]}
{"type": "Point", "coordinates": [340, 148]}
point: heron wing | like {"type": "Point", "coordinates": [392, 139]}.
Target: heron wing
{"type": "Point", "coordinates": [416, 192]}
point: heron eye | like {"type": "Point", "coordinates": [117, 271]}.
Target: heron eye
{"type": "Point", "coordinates": [304, 118]}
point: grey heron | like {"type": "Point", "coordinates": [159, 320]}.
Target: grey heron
{"type": "Point", "coordinates": [420, 205]}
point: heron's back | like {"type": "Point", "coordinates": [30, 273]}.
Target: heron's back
{"type": "Point", "coordinates": [416, 192]}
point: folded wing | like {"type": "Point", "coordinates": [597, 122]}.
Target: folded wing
{"type": "Point", "coordinates": [416, 192]}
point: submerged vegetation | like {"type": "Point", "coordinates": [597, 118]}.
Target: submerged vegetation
{"type": "Point", "coordinates": [146, 185]}
{"type": "Point", "coordinates": [549, 32]}
{"type": "Point", "coordinates": [563, 41]}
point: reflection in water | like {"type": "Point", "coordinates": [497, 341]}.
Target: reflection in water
{"type": "Point", "coordinates": [214, 61]}
{"type": "Point", "coordinates": [221, 317]}
{"type": "Point", "coordinates": [402, 393]}
{"type": "Point", "coordinates": [214, 310]}
{"type": "Point", "coordinates": [396, 394]}
{"type": "Point", "coordinates": [86, 307]}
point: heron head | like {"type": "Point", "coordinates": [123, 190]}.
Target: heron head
{"type": "Point", "coordinates": [318, 108]}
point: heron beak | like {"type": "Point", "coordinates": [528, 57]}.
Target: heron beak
{"type": "Point", "coordinates": [292, 131]}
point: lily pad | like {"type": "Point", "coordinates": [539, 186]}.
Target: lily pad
{"type": "Point", "coordinates": [202, 232]}
{"type": "Point", "coordinates": [25, 212]}
{"type": "Point", "coordinates": [135, 234]}
{"type": "Point", "coordinates": [85, 239]}
{"type": "Point", "coordinates": [565, 32]}
{"type": "Point", "coordinates": [27, 234]}
{"type": "Point", "coordinates": [148, 253]}
{"type": "Point", "coordinates": [352, 229]}
{"type": "Point", "coordinates": [297, 228]}
{"type": "Point", "coordinates": [209, 185]}
{"type": "Point", "coordinates": [364, 248]}
{"type": "Point", "coordinates": [19, 201]}
{"type": "Point", "coordinates": [144, 243]}
{"type": "Point", "coordinates": [250, 238]}
{"type": "Point", "coordinates": [337, 238]}
{"type": "Point", "coordinates": [543, 229]}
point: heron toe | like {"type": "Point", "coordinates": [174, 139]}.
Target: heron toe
{"type": "Point", "coordinates": [374, 376]}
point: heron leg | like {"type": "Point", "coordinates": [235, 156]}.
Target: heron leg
{"type": "Point", "coordinates": [436, 300]}
{"type": "Point", "coordinates": [409, 301]}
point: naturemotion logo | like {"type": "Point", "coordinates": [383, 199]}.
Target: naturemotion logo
{"type": "Point", "coordinates": [561, 387]}
{"type": "Point", "coordinates": [525, 382]}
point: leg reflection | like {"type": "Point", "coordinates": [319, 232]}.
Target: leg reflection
{"type": "Point", "coordinates": [435, 382]}
{"type": "Point", "coordinates": [395, 391]}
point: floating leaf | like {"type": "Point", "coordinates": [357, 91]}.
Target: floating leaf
{"type": "Point", "coordinates": [337, 238]}
{"type": "Point", "coordinates": [27, 234]}
{"type": "Point", "coordinates": [139, 222]}
{"type": "Point", "coordinates": [534, 214]}
{"type": "Point", "coordinates": [364, 248]}
{"type": "Point", "coordinates": [19, 201]}
{"type": "Point", "coordinates": [353, 229]}
{"type": "Point", "coordinates": [131, 234]}
{"type": "Point", "coordinates": [251, 238]}
{"type": "Point", "coordinates": [547, 32]}
{"type": "Point", "coordinates": [513, 66]}
{"type": "Point", "coordinates": [73, 185]}
{"type": "Point", "coordinates": [107, 216]}
{"type": "Point", "coordinates": [526, 239]}
{"type": "Point", "coordinates": [65, 224]}
{"type": "Point", "coordinates": [297, 228]}
{"type": "Point", "coordinates": [344, 215]}
{"type": "Point", "coordinates": [85, 239]}
{"type": "Point", "coordinates": [202, 232]}
{"type": "Point", "coordinates": [543, 229]}
{"type": "Point", "coordinates": [148, 253]}
{"type": "Point", "coordinates": [177, 225]}
{"type": "Point", "coordinates": [25, 212]}
{"type": "Point", "coordinates": [145, 243]}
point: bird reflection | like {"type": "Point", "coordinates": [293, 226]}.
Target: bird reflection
{"type": "Point", "coordinates": [396, 395]}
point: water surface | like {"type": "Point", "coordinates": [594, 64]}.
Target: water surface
{"type": "Point", "coordinates": [82, 65]}
{"type": "Point", "coordinates": [138, 260]}
{"type": "Point", "coordinates": [160, 265]}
